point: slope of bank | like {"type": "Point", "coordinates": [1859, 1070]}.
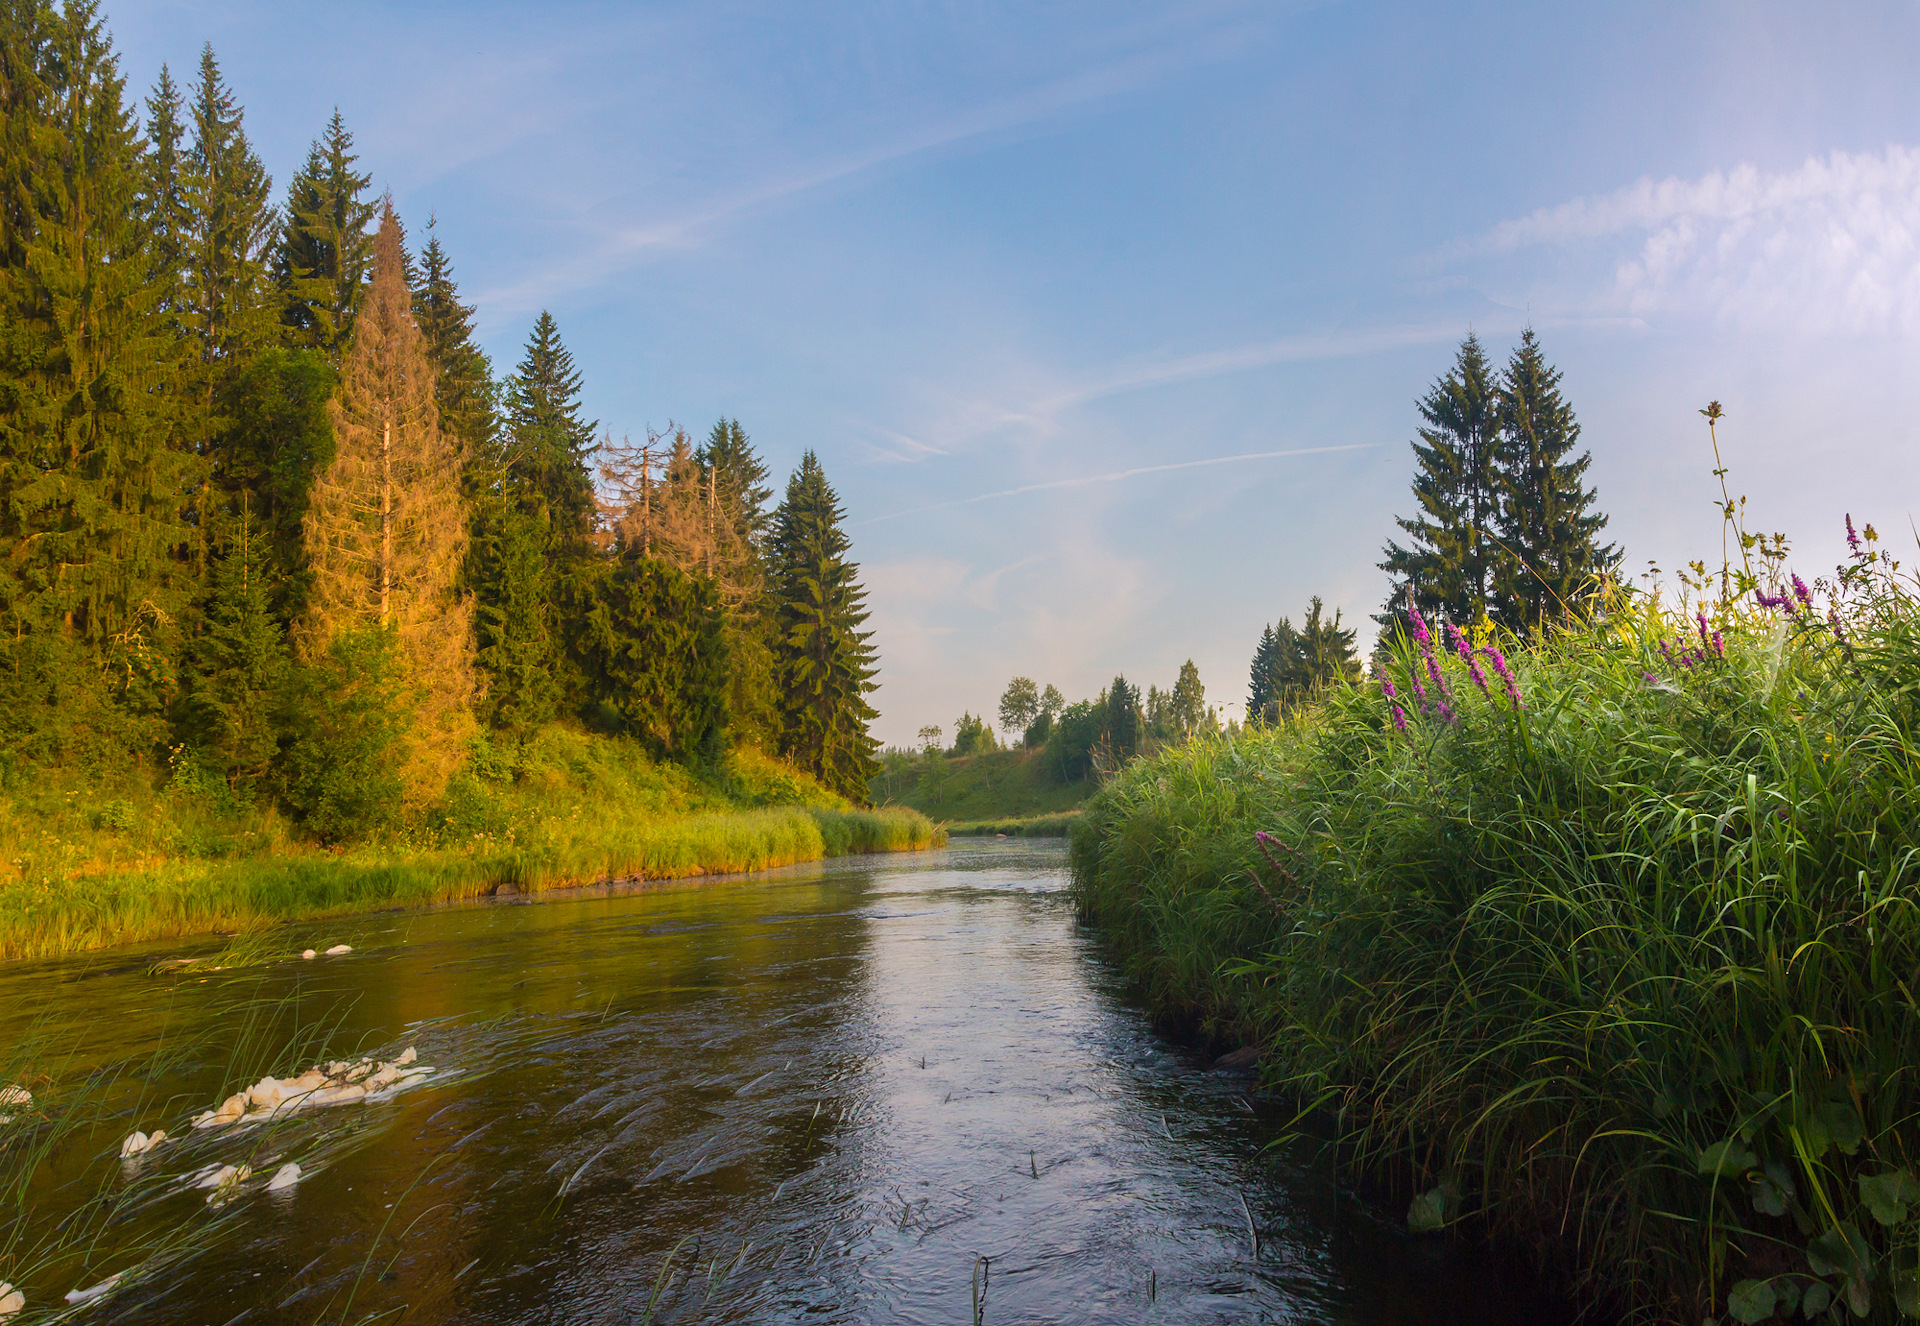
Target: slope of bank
{"type": "Point", "coordinates": [95, 861]}
{"type": "Point", "coordinates": [1614, 963]}
{"type": "Point", "coordinates": [997, 785]}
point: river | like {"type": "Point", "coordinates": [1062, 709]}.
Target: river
{"type": "Point", "coordinates": [825, 1094]}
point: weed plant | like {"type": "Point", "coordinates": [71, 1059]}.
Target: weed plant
{"type": "Point", "coordinates": [1611, 947]}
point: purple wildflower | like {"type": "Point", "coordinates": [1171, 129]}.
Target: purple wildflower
{"type": "Point", "coordinates": [1419, 691]}
{"type": "Point", "coordinates": [1719, 650]}
{"type": "Point", "coordinates": [1474, 674]}
{"type": "Point", "coordinates": [1460, 645]}
{"type": "Point", "coordinates": [1399, 719]}
{"type": "Point", "coordinates": [1774, 601]}
{"type": "Point", "coordinates": [1419, 627]}
{"type": "Point", "coordinates": [1700, 618]}
{"type": "Point", "coordinates": [1800, 592]}
{"type": "Point", "coordinates": [1386, 687]}
{"type": "Point", "coordinates": [1433, 674]}
{"type": "Point", "coordinates": [1853, 540]}
{"type": "Point", "coordinates": [1505, 673]}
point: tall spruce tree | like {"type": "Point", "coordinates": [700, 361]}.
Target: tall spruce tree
{"type": "Point", "coordinates": [1449, 569]}
{"type": "Point", "coordinates": [387, 528]}
{"type": "Point", "coordinates": [823, 661]}
{"type": "Point", "coordinates": [463, 378]}
{"type": "Point", "coordinates": [227, 305]}
{"type": "Point", "coordinates": [1547, 520]}
{"type": "Point", "coordinates": [239, 673]}
{"type": "Point", "coordinates": [325, 251]}
{"type": "Point", "coordinates": [164, 206]}
{"type": "Point", "coordinates": [549, 444]}
{"type": "Point", "coordinates": [1121, 722]}
{"type": "Point", "coordinates": [92, 482]}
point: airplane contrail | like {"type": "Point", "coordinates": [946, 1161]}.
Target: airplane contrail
{"type": "Point", "coordinates": [1118, 475]}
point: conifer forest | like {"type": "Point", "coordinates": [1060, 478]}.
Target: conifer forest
{"type": "Point", "coordinates": [454, 864]}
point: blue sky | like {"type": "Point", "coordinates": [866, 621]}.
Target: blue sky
{"type": "Point", "coordinates": [1107, 319]}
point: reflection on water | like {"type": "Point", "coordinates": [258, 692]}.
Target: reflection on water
{"type": "Point", "coordinates": [825, 1095]}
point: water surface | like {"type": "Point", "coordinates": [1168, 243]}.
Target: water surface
{"type": "Point", "coordinates": [820, 1096]}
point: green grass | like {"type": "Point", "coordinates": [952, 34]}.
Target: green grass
{"type": "Point", "coordinates": [1000, 785]}
{"type": "Point", "coordinates": [1037, 826]}
{"type": "Point", "coordinates": [1626, 976]}
{"type": "Point", "coordinates": [97, 865]}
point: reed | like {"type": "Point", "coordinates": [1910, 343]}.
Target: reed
{"type": "Point", "coordinates": [1617, 960]}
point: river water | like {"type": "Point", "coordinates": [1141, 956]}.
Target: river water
{"type": "Point", "coordinates": [822, 1095]}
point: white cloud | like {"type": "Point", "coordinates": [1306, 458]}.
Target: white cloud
{"type": "Point", "coordinates": [1830, 247]}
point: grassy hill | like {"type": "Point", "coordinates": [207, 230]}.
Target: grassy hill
{"type": "Point", "coordinates": [1000, 785]}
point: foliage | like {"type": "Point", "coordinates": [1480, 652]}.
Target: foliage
{"type": "Point", "coordinates": [346, 728]}
{"type": "Point", "coordinates": [1613, 935]}
{"type": "Point", "coordinates": [1004, 784]}
{"type": "Point", "coordinates": [1019, 705]}
{"type": "Point", "coordinates": [823, 661]}
{"type": "Point", "coordinates": [1506, 529]}
{"type": "Point", "coordinates": [657, 658]}
{"type": "Point", "coordinates": [1291, 666]}
{"type": "Point", "coordinates": [325, 253]}
{"type": "Point", "coordinates": [972, 736]}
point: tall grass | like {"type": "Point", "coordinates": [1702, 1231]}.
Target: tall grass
{"type": "Point", "coordinates": [1624, 968]}
{"type": "Point", "coordinates": [1036, 826]}
{"type": "Point", "coordinates": [196, 897]}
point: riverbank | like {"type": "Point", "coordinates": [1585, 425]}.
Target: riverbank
{"type": "Point", "coordinates": [104, 861]}
{"type": "Point", "coordinates": [1612, 963]}
{"type": "Point", "coordinates": [972, 789]}
{"type": "Point", "coordinates": [1036, 826]}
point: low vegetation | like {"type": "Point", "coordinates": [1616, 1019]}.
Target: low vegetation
{"type": "Point", "coordinates": [996, 785]}
{"type": "Point", "coordinates": [1608, 947]}
{"type": "Point", "coordinates": [1037, 826]}
{"type": "Point", "coordinates": [91, 862]}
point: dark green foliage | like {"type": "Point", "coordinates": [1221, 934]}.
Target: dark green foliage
{"type": "Point", "coordinates": [656, 658]}
{"type": "Point", "coordinates": [1450, 567]}
{"type": "Point", "coordinates": [548, 443]}
{"type": "Point", "coordinates": [971, 736]}
{"type": "Point", "coordinates": [326, 249]}
{"type": "Point", "coordinates": [1073, 737]}
{"type": "Point", "coordinates": [225, 297]}
{"type": "Point", "coordinates": [507, 565]}
{"type": "Point", "coordinates": [1121, 722]}
{"type": "Point", "coordinates": [463, 379]}
{"type": "Point", "coordinates": [740, 479]}
{"type": "Point", "coordinates": [239, 673]}
{"type": "Point", "coordinates": [275, 438]}
{"type": "Point", "coordinates": [823, 660]}
{"type": "Point", "coordinates": [1547, 521]}
{"type": "Point", "coordinates": [1291, 666]}
{"type": "Point", "coordinates": [346, 719]}
{"type": "Point", "coordinates": [164, 207]}
{"type": "Point", "coordinates": [92, 480]}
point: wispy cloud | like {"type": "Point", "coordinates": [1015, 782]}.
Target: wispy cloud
{"type": "Point", "coordinates": [1830, 246]}
{"type": "Point", "coordinates": [617, 246]}
{"type": "Point", "coordinates": [1116, 476]}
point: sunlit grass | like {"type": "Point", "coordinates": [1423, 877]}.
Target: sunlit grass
{"type": "Point", "coordinates": [99, 862]}
{"type": "Point", "coordinates": [1627, 973]}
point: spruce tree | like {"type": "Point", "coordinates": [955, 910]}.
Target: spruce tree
{"type": "Point", "coordinates": [1121, 722]}
{"type": "Point", "coordinates": [823, 661]}
{"type": "Point", "coordinates": [549, 444]}
{"type": "Point", "coordinates": [1449, 567]}
{"type": "Point", "coordinates": [741, 480]}
{"type": "Point", "coordinates": [325, 252]}
{"type": "Point", "coordinates": [92, 482]}
{"type": "Point", "coordinates": [656, 649]}
{"type": "Point", "coordinates": [227, 299]}
{"type": "Point", "coordinates": [387, 528]}
{"type": "Point", "coordinates": [165, 209]}
{"type": "Point", "coordinates": [1547, 521]}
{"type": "Point", "coordinates": [276, 438]}
{"type": "Point", "coordinates": [463, 378]}
{"type": "Point", "coordinates": [239, 671]}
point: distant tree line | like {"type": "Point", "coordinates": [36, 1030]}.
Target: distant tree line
{"type": "Point", "coordinates": [264, 502]}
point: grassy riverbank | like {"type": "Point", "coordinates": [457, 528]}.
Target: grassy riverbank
{"type": "Point", "coordinates": [90, 862]}
{"type": "Point", "coordinates": [1036, 826]}
{"type": "Point", "coordinates": [972, 789]}
{"type": "Point", "coordinates": [1623, 972]}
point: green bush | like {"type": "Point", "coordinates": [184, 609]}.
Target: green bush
{"type": "Point", "coordinates": [340, 775]}
{"type": "Point", "coordinates": [1620, 961]}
